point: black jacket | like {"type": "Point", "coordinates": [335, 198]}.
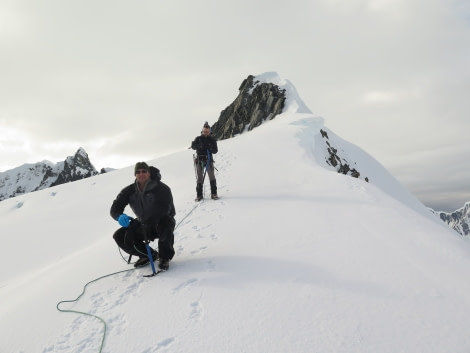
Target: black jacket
{"type": "Point", "coordinates": [151, 206]}
{"type": "Point", "coordinates": [202, 144]}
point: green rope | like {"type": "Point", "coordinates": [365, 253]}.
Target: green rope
{"type": "Point", "coordinates": [97, 279]}
{"type": "Point", "coordinates": [88, 314]}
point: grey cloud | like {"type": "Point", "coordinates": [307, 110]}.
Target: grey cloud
{"type": "Point", "coordinates": [112, 75]}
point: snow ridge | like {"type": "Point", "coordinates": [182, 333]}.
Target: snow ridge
{"type": "Point", "coordinates": [294, 257]}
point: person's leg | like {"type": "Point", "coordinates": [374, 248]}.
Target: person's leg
{"type": "Point", "coordinates": [200, 177]}
{"type": "Point", "coordinates": [131, 239]}
{"type": "Point", "coordinates": [135, 236]}
{"type": "Point", "coordinates": [123, 241]}
{"type": "Point", "coordinates": [213, 181]}
{"type": "Point", "coordinates": [166, 241]}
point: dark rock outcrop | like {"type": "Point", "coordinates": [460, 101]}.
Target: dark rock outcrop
{"type": "Point", "coordinates": [256, 103]}
{"type": "Point", "coordinates": [458, 220]}
{"type": "Point", "coordinates": [341, 164]}
{"type": "Point", "coordinates": [75, 168]}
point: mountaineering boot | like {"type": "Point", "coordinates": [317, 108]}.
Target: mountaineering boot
{"type": "Point", "coordinates": [214, 190]}
{"type": "Point", "coordinates": [163, 264]}
{"type": "Point", "coordinates": [144, 260]}
{"type": "Point", "coordinates": [198, 192]}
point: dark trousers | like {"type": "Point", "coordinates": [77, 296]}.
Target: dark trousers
{"type": "Point", "coordinates": [200, 165]}
{"type": "Point", "coordinates": [132, 239]}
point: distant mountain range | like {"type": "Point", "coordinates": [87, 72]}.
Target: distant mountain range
{"type": "Point", "coordinates": [32, 177]}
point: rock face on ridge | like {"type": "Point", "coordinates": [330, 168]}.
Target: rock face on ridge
{"type": "Point", "coordinates": [334, 160]}
{"type": "Point", "coordinates": [42, 175]}
{"type": "Point", "coordinates": [258, 102]}
{"type": "Point", "coordinates": [255, 103]}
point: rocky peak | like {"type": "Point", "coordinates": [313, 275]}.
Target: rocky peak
{"type": "Point", "coordinates": [76, 167]}
{"type": "Point", "coordinates": [41, 175]}
{"type": "Point", "coordinates": [255, 103]}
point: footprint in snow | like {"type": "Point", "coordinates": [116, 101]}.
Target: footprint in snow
{"type": "Point", "coordinates": [185, 284]}
{"type": "Point", "coordinates": [196, 311]}
{"type": "Point", "coordinates": [118, 323]}
{"type": "Point", "coordinates": [131, 290]}
{"type": "Point", "coordinates": [197, 251]}
{"type": "Point", "coordinates": [163, 344]}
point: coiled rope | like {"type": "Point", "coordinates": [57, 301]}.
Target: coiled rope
{"type": "Point", "coordinates": [108, 275]}
{"type": "Point", "coordinates": [85, 313]}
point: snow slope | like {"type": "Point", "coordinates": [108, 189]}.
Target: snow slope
{"type": "Point", "coordinates": [292, 258]}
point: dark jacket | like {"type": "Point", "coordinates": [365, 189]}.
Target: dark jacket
{"type": "Point", "coordinates": [153, 205]}
{"type": "Point", "coordinates": [202, 144]}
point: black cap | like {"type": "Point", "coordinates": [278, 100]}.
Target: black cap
{"type": "Point", "coordinates": [140, 165]}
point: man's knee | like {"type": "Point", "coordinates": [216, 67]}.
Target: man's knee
{"type": "Point", "coordinates": [119, 235]}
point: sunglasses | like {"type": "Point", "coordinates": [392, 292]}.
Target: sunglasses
{"type": "Point", "coordinates": [141, 171]}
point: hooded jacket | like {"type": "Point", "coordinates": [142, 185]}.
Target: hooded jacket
{"type": "Point", "coordinates": [151, 206]}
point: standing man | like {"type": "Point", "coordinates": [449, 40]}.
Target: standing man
{"type": "Point", "coordinates": [205, 146]}
{"type": "Point", "coordinates": [152, 203]}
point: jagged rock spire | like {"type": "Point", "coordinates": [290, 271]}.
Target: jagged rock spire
{"type": "Point", "coordinates": [255, 103]}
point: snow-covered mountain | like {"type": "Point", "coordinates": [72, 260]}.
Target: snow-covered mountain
{"type": "Point", "coordinates": [294, 257]}
{"type": "Point", "coordinates": [459, 220]}
{"type": "Point", "coordinates": [37, 176]}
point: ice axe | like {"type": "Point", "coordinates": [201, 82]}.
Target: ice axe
{"type": "Point", "coordinates": [149, 252]}
{"type": "Point", "coordinates": [208, 161]}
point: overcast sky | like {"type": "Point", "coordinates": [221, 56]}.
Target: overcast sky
{"type": "Point", "coordinates": [131, 80]}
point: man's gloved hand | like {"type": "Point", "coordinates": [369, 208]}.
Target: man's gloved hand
{"type": "Point", "coordinates": [124, 220]}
